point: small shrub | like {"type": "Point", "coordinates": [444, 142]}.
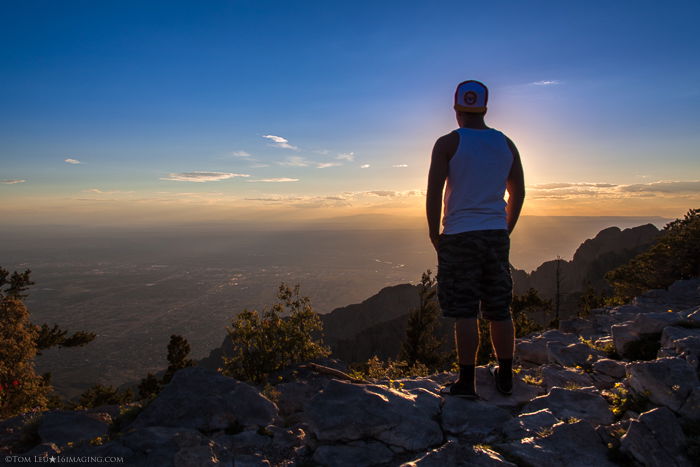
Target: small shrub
{"type": "Point", "coordinates": [534, 380]}
{"type": "Point", "coordinates": [607, 347]}
{"type": "Point", "coordinates": [621, 400]}
{"type": "Point", "coordinates": [271, 393]}
{"type": "Point", "coordinates": [267, 342]}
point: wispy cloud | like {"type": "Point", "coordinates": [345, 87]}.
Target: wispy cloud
{"type": "Point", "coordinates": [240, 154]}
{"type": "Point", "coordinates": [279, 142]}
{"type": "Point", "coordinates": [12, 181]}
{"type": "Point", "coordinates": [325, 165]}
{"type": "Point", "coordinates": [400, 165]}
{"type": "Point", "coordinates": [546, 82]}
{"type": "Point", "coordinates": [347, 156]}
{"type": "Point", "coordinates": [275, 180]}
{"type": "Point", "coordinates": [200, 177]}
{"type": "Point", "coordinates": [105, 192]}
{"type": "Point", "coordinates": [663, 188]}
{"type": "Point", "coordinates": [364, 166]}
{"type": "Point", "coordinates": [555, 186]}
{"type": "Point", "coordinates": [295, 161]}
{"type": "Point", "coordinates": [72, 161]}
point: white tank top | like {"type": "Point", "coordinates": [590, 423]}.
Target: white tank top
{"type": "Point", "coordinates": [476, 182]}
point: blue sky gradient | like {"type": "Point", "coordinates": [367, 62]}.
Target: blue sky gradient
{"type": "Point", "coordinates": [592, 93]}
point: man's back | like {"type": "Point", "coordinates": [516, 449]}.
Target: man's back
{"type": "Point", "coordinates": [476, 182]}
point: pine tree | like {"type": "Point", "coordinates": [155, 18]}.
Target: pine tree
{"type": "Point", "coordinates": [21, 389]}
{"type": "Point", "coordinates": [420, 344]}
{"type": "Point", "coordinates": [178, 349]}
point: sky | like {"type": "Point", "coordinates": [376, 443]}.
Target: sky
{"type": "Point", "coordinates": [129, 112]}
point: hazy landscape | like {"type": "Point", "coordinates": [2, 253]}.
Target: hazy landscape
{"type": "Point", "coordinates": [136, 288]}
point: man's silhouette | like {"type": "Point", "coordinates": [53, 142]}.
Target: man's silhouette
{"type": "Point", "coordinates": [479, 164]}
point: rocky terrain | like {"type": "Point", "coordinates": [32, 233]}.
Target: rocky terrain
{"type": "Point", "coordinates": [618, 388]}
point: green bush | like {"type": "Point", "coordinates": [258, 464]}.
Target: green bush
{"type": "Point", "coordinates": [675, 255]}
{"type": "Point", "coordinates": [278, 337]}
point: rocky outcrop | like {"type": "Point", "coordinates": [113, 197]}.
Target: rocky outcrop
{"type": "Point", "coordinates": [575, 402]}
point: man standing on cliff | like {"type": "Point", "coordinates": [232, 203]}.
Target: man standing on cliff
{"type": "Point", "coordinates": [479, 164]}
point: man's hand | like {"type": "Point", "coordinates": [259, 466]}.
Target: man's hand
{"type": "Point", "coordinates": [435, 239]}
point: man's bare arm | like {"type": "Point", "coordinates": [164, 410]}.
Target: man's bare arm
{"type": "Point", "coordinates": [439, 165]}
{"type": "Point", "coordinates": [516, 188]}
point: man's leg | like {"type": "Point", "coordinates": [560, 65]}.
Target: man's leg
{"type": "Point", "coordinates": [503, 340]}
{"type": "Point", "coordinates": [467, 343]}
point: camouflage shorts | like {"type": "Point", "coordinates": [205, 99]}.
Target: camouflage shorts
{"type": "Point", "coordinates": [473, 268]}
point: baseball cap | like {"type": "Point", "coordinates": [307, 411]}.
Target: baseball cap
{"type": "Point", "coordinates": [471, 96]}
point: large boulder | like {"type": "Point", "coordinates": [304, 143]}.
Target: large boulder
{"type": "Point", "coordinates": [643, 324]}
{"type": "Point", "coordinates": [584, 404]}
{"type": "Point", "coordinates": [63, 426]}
{"type": "Point", "coordinates": [665, 381]}
{"type": "Point", "coordinates": [656, 440]}
{"type": "Point", "coordinates": [459, 454]}
{"type": "Point", "coordinates": [205, 400]}
{"type": "Point", "coordinates": [571, 444]}
{"type": "Point", "coordinates": [346, 412]}
{"type": "Point", "coordinates": [161, 446]}
{"type": "Point", "coordinates": [353, 454]}
{"type": "Point", "coordinates": [472, 419]}
{"type": "Point", "coordinates": [609, 367]}
{"type": "Point", "coordinates": [534, 350]}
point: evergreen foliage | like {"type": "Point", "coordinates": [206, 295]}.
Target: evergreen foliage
{"type": "Point", "coordinates": [280, 336]}
{"type": "Point", "coordinates": [675, 255]}
{"type": "Point", "coordinates": [99, 395]}
{"type": "Point", "coordinates": [21, 389]}
{"type": "Point", "coordinates": [178, 350]}
{"type": "Point", "coordinates": [522, 306]}
{"type": "Point", "coordinates": [421, 344]}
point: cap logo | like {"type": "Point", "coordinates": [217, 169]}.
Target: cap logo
{"type": "Point", "coordinates": [470, 98]}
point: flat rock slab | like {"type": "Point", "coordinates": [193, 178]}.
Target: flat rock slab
{"type": "Point", "coordinates": [584, 404]}
{"type": "Point", "coordinates": [206, 400]}
{"type": "Point", "coordinates": [671, 334]}
{"type": "Point", "coordinates": [345, 411]}
{"type": "Point", "coordinates": [529, 424]}
{"type": "Point", "coordinates": [570, 444]}
{"type": "Point", "coordinates": [554, 375]}
{"type": "Point", "coordinates": [472, 419]}
{"type": "Point", "coordinates": [665, 381]}
{"type": "Point", "coordinates": [571, 354]}
{"type": "Point", "coordinates": [522, 392]}
{"type": "Point", "coordinates": [454, 453]}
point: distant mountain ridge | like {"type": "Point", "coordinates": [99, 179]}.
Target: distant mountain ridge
{"type": "Point", "coordinates": [377, 325]}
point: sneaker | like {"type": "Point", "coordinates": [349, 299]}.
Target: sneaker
{"type": "Point", "coordinates": [503, 388]}
{"type": "Point", "coordinates": [458, 390]}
